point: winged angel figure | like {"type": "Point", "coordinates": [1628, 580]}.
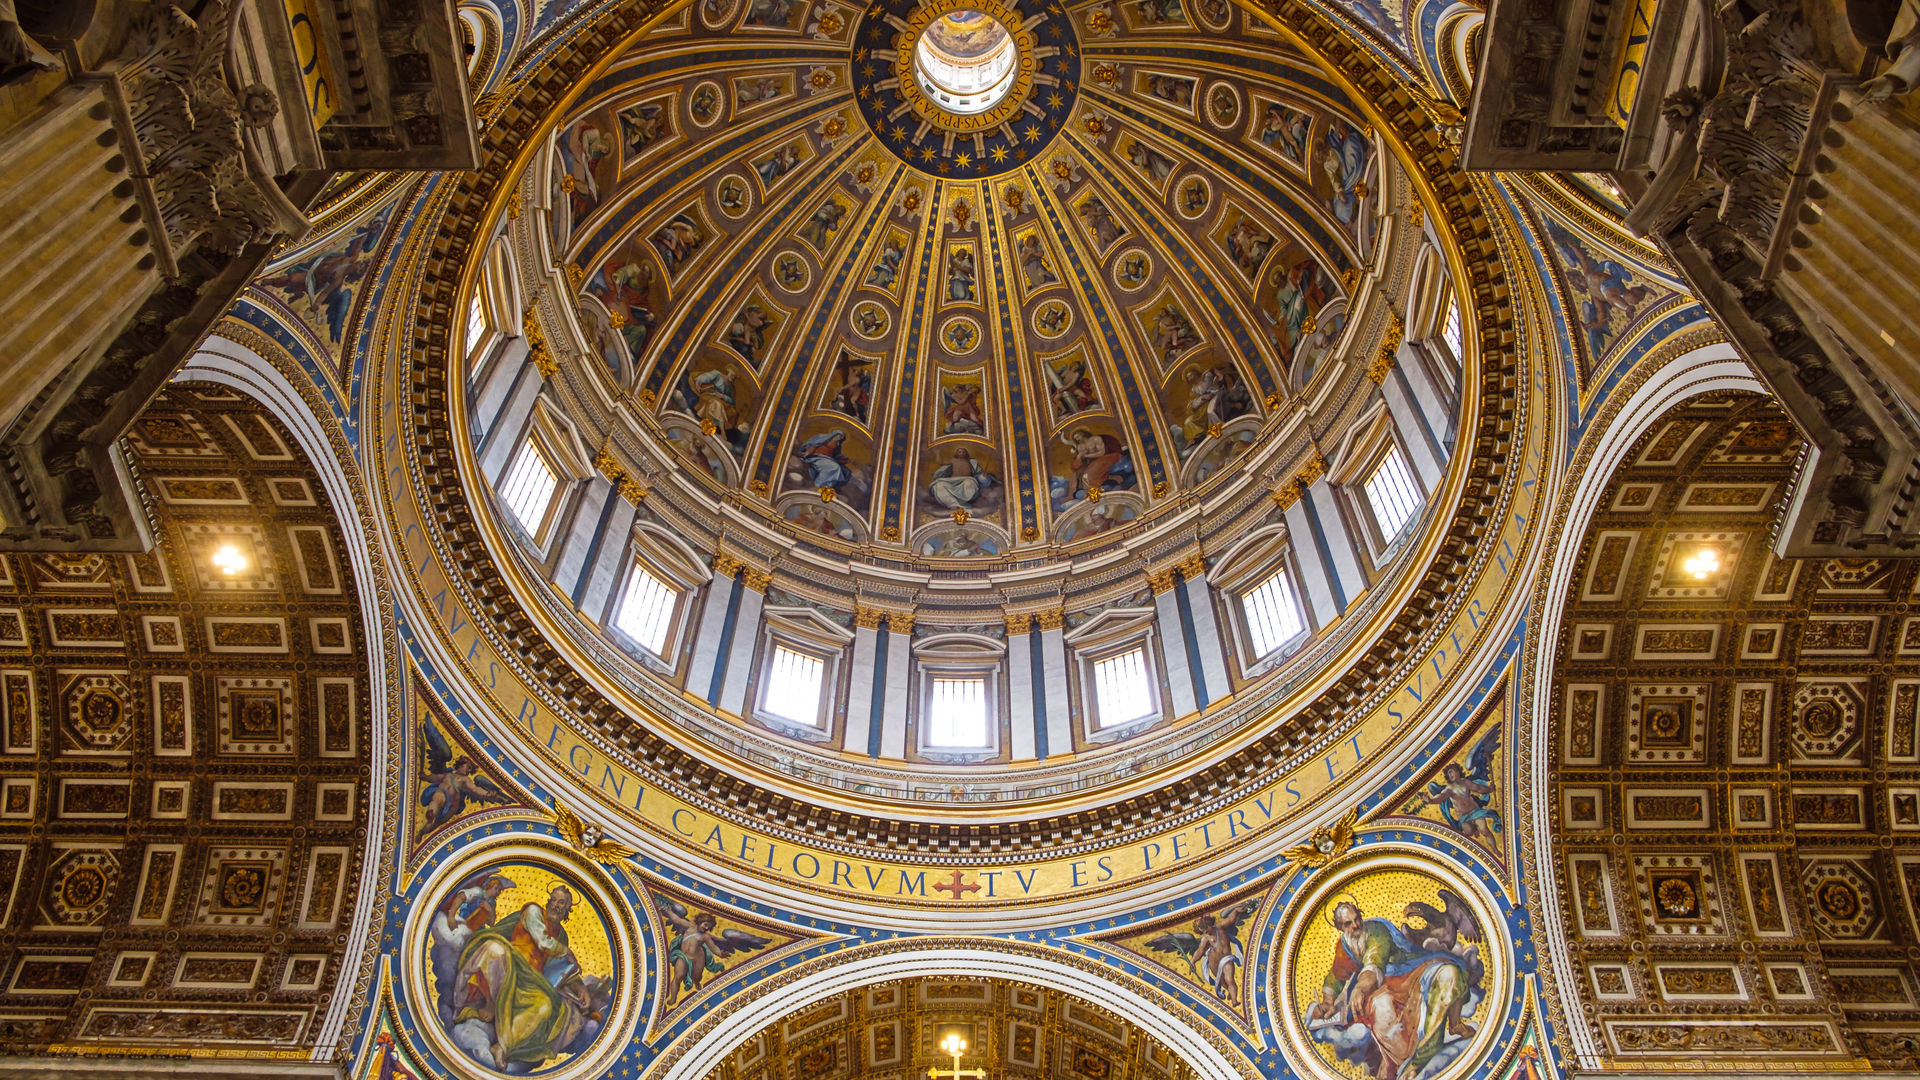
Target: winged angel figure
{"type": "Point", "coordinates": [698, 948]}
{"type": "Point", "coordinates": [1213, 950]}
{"type": "Point", "coordinates": [452, 780]}
{"type": "Point", "coordinates": [1463, 800]}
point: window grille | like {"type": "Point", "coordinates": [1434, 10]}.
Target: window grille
{"type": "Point", "coordinates": [1393, 494]}
{"type": "Point", "coordinates": [793, 686]}
{"type": "Point", "coordinates": [646, 609]}
{"type": "Point", "coordinates": [1122, 692]}
{"type": "Point", "coordinates": [957, 713]}
{"type": "Point", "coordinates": [1273, 613]}
{"type": "Point", "coordinates": [529, 487]}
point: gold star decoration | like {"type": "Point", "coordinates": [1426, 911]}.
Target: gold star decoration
{"type": "Point", "coordinates": [999, 153]}
{"type": "Point", "coordinates": [1055, 101]}
{"type": "Point", "coordinates": [1033, 133]}
{"type": "Point", "coordinates": [926, 153]}
{"type": "Point", "coordinates": [965, 160]}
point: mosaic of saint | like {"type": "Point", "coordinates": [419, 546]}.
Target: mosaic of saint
{"type": "Point", "coordinates": [521, 967]}
{"type": "Point", "coordinates": [1390, 978]}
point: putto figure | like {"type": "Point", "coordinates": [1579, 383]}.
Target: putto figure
{"type": "Point", "coordinates": [698, 949]}
{"type": "Point", "coordinates": [1213, 950]}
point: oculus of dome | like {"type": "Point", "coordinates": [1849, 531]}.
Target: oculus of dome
{"type": "Point", "coordinates": [967, 61]}
{"type": "Point", "coordinates": [974, 88]}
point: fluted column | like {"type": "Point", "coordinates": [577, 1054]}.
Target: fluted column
{"type": "Point", "coordinates": [1024, 736]}
{"type": "Point", "coordinates": [1203, 629]}
{"type": "Point", "coordinates": [1053, 660]}
{"type": "Point", "coordinates": [863, 707]}
{"type": "Point", "coordinates": [1173, 637]}
{"type": "Point", "coordinates": [710, 638]}
{"type": "Point", "coordinates": [746, 630]}
{"type": "Point", "coordinates": [898, 684]}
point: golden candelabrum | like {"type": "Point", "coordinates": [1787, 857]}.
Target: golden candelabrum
{"type": "Point", "coordinates": [955, 1045]}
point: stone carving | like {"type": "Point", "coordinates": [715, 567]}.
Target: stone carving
{"type": "Point", "coordinates": [189, 124]}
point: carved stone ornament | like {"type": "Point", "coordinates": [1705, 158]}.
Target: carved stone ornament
{"type": "Point", "coordinates": [1329, 842]}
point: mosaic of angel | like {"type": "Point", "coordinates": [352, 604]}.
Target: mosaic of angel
{"type": "Point", "coordinates": [960, 274]}
{"type": "Point", "coordinates": [327, 281]}
{"type": "Point", "coordinates": [1033, 262]}
{"type": "Point", "coordinates": [1395, 997]}
{"type": "Point", "coordinates": [852, 386]}
{"type": "Point", "coordinates": [747, 333]}
{"type": "Point", "coordinates": [962, 410]}
{"type": "Point", "coordinates": [451, 780]}
{"type": "Point", "coordinates": [697, 948]}
{"type": "Point", "coordinates": [587, 161]}
{"type": "Point", "coordinates": [1161, 12]}
{"type": "Point", "coordinates": [1173, 332]}
{"type": "Point", "coordinates": [641, 126]}
{"type": "Point", "coordinates": [1213, 950]}
{"type": "Point", "coordinates": [1098, 460]}
{"type": "Point", "coordinates": [510, 991]}
{"type": "Point", "coordinates": [711, 393]}
{"type": "Point", "coordinates": [1299, 291]}
{"type": "Point", "coordinates": [1466, 795]}
{"type": "Point", "coordinates": [822, 461]}
{"type": "Point", "coordinates": [824, 225]}
{"type": "Point", "coordinates": [1156, 165]}
{"type": "Point", "coordinates": [1607, 293]}
{"type": "Point", "coordinates": [1099, 219]}
{"type": "Point", "coordinates": [1248, 245]}
{"type": "Point", "coordinates": [679, 240]}
{"type": "Point", "coordinates": [1070, 387]}
{"type": "Point", "coordinates": [886, 265]}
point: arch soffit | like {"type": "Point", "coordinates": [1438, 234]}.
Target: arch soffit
{"type": "Point", "coordinates": [229, 363]}
{"type": "Point", "coordinates": [705, 1046]}
{"type": "Point", "coordinates": [1609, 438]}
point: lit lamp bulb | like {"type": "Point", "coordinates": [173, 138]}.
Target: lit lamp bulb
{"type": "Point", "coordinates": [1702, 564]}
{"type": "Point", "coordinates": [229, 560]}
{"type": "Point", "coordinates": [954, 1044]}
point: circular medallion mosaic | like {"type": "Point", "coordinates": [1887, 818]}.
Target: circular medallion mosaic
{"type": "Point", "coordinates": [965, 88]}
{"type": "Point", "coordinates": [518, 959]}
{"type": "Point", "coordinates": [1393, 972]}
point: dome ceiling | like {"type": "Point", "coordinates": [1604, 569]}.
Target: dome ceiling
{"type": "Point", "coordinates": [963, 332]}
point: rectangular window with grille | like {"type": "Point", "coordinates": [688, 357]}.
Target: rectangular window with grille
{"type": "Point", "coordinates": [646, 609]}
{"type": "Point", "coordinates": [1122, 691]}
{"type": "Point", "coordinates": [1392, 493]}
{"type": "Point", "coordinates": [529, 488]}
{"type": "Point", "coordinates": [476, 325]}
{"type": "Point", "coordinates": [1273, 613]}
{"type": "Point", "coordinates": [957, 714]}
{"type": "Point", "coordinates": [793, 686]}
{"type": "Point", "coordinates": [1452, 334]}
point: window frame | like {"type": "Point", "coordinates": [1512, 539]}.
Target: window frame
{"type": "Point", "coordinates": [1281, 569]}
{"type": "Point", "coordinates": [669, 623]}
{"type": "Point", "coordinates": [1107, 635]}
{"type": "Point", "coordinates": [1243, 569]}
{"type": "Point", "coordinates": [542, 532]}
{"type": "Point", "coordinates": [1365, 484]}
{"type": "Point", "coordinates": [1366, 445]}
{"type": "Point", "coordinates": [959, 655]}
{"type": "Point", "coordinates": [802, 631]}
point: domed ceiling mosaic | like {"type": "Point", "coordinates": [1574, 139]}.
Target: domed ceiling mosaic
{"type": "Point", "coordinates": [960, 332]}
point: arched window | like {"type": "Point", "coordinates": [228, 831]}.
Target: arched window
{"type": "Point", "coordinates": [793, 685]}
